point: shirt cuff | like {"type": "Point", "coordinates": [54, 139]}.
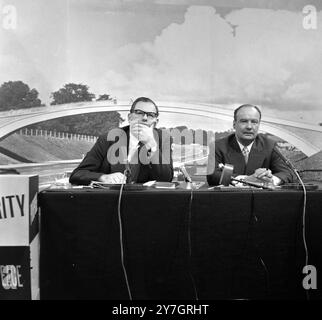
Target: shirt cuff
{"type": "Point", "coordinates": [276, 181]}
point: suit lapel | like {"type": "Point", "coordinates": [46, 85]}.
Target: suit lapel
{"type": "Point", "coordinates": [235, 157]}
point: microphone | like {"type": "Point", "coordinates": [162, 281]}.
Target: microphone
{"type": "Point", "coordinates": [185, 174]}
{"type": "Point", "coordinates": [286, 160]}
{"type": "Point", "coordinates": [226, 173]}
{"type": "Point", "coordinates": [289, 164]}
{"type": "Point", "coordinates": [254, 184]}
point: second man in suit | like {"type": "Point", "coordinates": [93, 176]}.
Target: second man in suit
{"type": "Point", "coordinates": [252, 154]}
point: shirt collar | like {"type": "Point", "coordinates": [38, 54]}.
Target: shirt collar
{"type": "Point", "coordinates": [249, 147]}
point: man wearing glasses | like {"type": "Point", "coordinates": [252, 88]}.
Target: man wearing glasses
{"type": "Point", "coordinates": [140, 149]}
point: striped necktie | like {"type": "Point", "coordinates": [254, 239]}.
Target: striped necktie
{"type": "Point", "coordinates": [245, 154]}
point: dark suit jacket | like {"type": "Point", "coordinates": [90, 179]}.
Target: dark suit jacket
{"type": "Point", "coordinates": [99, 160]}
{"type": "Point", "coordinates": [262, 155]}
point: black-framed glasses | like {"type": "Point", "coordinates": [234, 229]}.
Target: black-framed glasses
{"type": "Point", "coordinates": [141, 113]}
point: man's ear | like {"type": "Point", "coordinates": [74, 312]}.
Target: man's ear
{"type": "Point", "coordinates": [155, 122]}
{"type": "Point", "coordinates": [234, 124]}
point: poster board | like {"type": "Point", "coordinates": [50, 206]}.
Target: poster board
{"type": "Point", "coordinates": [19, 237]}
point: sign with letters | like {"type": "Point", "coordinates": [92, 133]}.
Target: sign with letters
{"type": "Point", "coordinates": [15, 273]}
{"type": "Point", "coordinates": [19, 237]}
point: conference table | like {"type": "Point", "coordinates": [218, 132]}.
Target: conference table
{"type": "Point", "coordinates": [178, 244]}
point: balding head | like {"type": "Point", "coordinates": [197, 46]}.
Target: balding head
{"type": "Point", "coordinates": [247, 106]}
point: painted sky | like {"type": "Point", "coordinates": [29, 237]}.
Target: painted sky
{"type": "Point", "coordinates": [226, 52]}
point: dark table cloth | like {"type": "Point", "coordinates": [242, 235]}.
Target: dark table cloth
{"type": "Point", "coordinates": [178, 244]}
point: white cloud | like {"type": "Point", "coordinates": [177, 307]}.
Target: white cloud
{"type": "Point", "coordinates": [270, 60]}
{"type": "Point", "coordinates": [251, 55]}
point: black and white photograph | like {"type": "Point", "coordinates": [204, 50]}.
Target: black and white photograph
{"type": "Point", "coordinates": [154, 152]}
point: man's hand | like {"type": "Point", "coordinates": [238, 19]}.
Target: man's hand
{"type": "Point", "coordinates": [113, 178]}
{"type": "Point", "coordinates": [264, 175]}
{"type": "Point", "coordinates": [143, 133]}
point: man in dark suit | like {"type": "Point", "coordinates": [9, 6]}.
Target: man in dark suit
{"type": "Point", "coordinates": [142, 149]}
{"type": "Point", "coordinates": [253, 155]}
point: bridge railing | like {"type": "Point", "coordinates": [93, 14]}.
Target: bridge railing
{"type": "Point", "coordinates": [56, 134]}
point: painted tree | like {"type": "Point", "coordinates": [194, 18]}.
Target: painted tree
{"type": "Point", "coordinates": [18, 95]}
{"type": "Point", "coordinates": [90, 124]}
{"type": "Point", "coordinates": [72, 92]}
{"type": "Point", "coordinates": [105, 97]}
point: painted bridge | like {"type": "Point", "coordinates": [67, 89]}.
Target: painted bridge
{"type": "Point", "coordinates": [305, 137]}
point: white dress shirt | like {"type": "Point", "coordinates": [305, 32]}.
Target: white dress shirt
{"type": "Point", "coordinates": [249, 147]}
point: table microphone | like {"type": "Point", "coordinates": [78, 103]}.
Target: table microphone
{"type": "Point", "coordinates": [185, 174]}
{"type": "Point", "coordinates": [226, 173]}
{"type": "Point", "coordinates": [289, 164]}
{"type": "Point", "coordinates": [261, 185]}
{"type": "Point", "coordinates": [287, 161]}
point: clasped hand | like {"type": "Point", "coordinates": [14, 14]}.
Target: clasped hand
{"type": "Point", "coordinates": [260, 175]}
{"type": "Point", "coordinates": [264, 175]}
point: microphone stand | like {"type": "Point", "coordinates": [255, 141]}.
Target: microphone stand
{"type": "Point", "coordinates": [187, 178]}
{"type": "Point", "coordinates": [291, 166]}
{"type": "Point", "coordinates": [128, 172]}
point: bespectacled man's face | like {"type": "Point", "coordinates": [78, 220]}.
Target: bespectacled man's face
{"type": "Point", "coordinates": [246, 125]}
{"type": "Point", "coordinates": [145, 113]}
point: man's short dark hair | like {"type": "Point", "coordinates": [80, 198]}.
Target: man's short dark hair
{"type": "Point", "coordinates": [244, 106]}
{"type": "Point", "coordinates": [144, 99]}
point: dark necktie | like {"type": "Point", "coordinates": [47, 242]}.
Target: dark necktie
{"type": "Point", "coordinates": [135, 164]}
